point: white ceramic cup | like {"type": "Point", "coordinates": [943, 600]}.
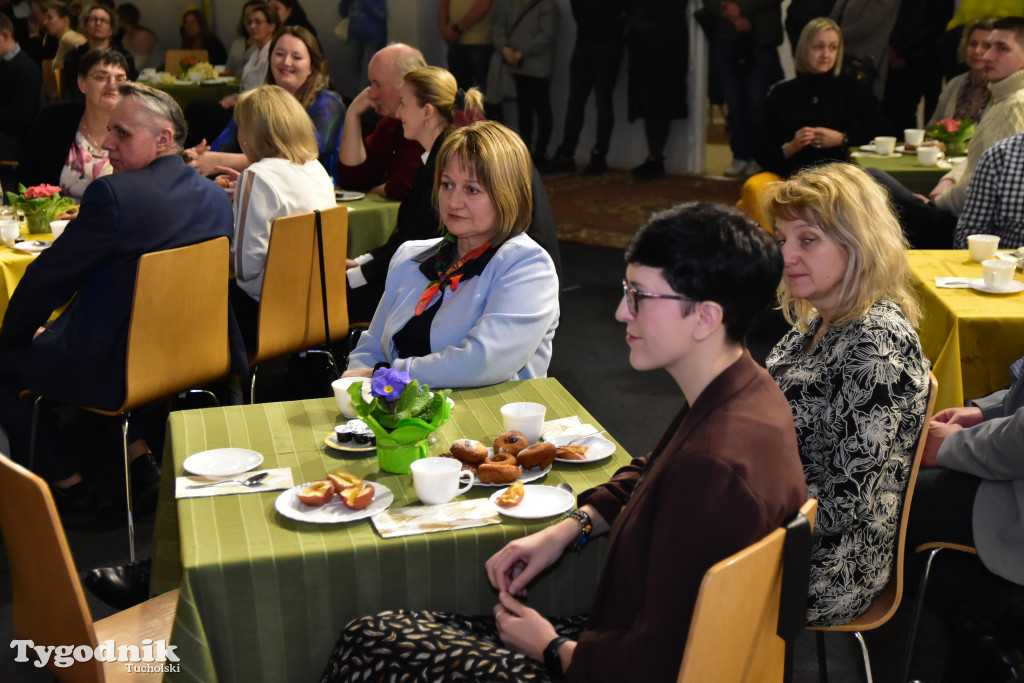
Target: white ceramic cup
{"type": "Point", "coordinates": [998, 274]}
{"type": "Point", "coordinates": [57, 228]}
{"type": "Point", "coordinates": [885, 145]}
{"type": "Point", "coordinates": [527, 418]}
{"type": "Point", "coordinates": [928, 156]}
{"type": "Point", "coordinates": [344, 401]}
{"type": "Point", "coordinates": [438, 480]}
{"type": "Point", "coordinates": [9, 231]}
{"type": "Point", "coordinates": [982, 247]}
{"type": "Point", "coordinates": [913, 136]}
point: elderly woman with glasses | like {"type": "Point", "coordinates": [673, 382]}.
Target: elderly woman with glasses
{"type": "Point", "coordinates": [65, 146]}
{"type": "Point", "coordinates": [696, 278]}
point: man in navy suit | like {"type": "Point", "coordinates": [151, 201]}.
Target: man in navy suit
{"type": "Point", "coordinates": [152, 202]}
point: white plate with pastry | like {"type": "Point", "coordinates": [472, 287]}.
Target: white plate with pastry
{"type": "Point", "coordinates": [538, 502]}
{"type": "Point", "coordinates": [334, 511]}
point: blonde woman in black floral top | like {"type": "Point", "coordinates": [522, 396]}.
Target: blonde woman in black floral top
{"type": "Point", "coordinates": [853, 372]}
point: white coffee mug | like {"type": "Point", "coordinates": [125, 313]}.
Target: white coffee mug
{"type": "Point", "coordinates": [982, 247]}
{"type": "Point", "coordinates": [438, 480]}
{"type": "Point", "coordinates": [928, 156]}
{"type": "Point", "coordinates": [341, 395]}
{"type": "Point", "coordinates": [9, 231]}
{"type": "Point", "coordinates": [998, 274]}
{"type": "Point", "coordinates": [913, 136]}
{"type": "Point", "coordinates": [885, 145]}
{"type": "Point", "coordinates": [57, 228]}
{"type": "Point", "coordinates": [527, 418]}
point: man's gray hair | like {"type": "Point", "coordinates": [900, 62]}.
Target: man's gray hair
{"type": "Point", "coordinates": [162, 105]}
{"type": "Point", "coordinates": [408, 59]}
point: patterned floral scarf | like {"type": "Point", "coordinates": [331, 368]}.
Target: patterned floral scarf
{"type": "Point", "coordinates": [447, 275]}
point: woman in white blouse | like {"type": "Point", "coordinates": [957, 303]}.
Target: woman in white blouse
{"type": "Point", "coordinates": [283, 178]}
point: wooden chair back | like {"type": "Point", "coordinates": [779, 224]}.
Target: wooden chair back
{"type": "Point", "coordinates": [49, 606]}
{"type": "Point", "coordinates": [178, 333]}
{"type": "Point", "coordinates": [291, 317]}
{"type": "Point", "coordinates": [889, 601]}
{"type": "Point", "coordinates": [50, 78]}
{"type": "Point", "coordinates": [172, 59]}
{"type": "Point", "coordinates": [733, 632]}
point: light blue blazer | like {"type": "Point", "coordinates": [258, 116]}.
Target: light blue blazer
{"type": "Point", "coordinates": [495, 327]}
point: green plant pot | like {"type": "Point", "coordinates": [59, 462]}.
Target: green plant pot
{"type": "Point", "coordinates": [398, 457]}
{"type": "Point", "coordinates": [38, 223]}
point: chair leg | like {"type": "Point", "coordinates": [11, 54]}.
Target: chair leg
{"type": "Point", "coordinates": [252, 386]}
{"type": "Point", "coordinates": [204, 392]}
{"type": "Point", "coordinates": [128, 488]}
{"type": "Point", "coordinates": [822, 663]}
{"type": "Point", "coordinates": [32, 434]}
{"type": "Point", "coordinates": [864, 651]}
{"type": "Point", "coordinates": [908, 655]}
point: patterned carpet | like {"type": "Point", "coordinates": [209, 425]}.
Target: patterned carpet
{"type": "Point", "coordinates": [606, 210]}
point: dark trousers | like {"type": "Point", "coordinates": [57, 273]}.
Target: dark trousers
{"type": "Point", "coordinates": [593, 67]}
{"type": "Point", "coordinates": [469, 65]}
{"type": "Point", "coordinates": [533, 96]}
{"type": "Point", "coordinates": [925, 225]}
{"type": "Point", "coordinates": [745, 73]}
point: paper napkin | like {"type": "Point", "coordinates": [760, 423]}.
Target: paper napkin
{"type": "Point", "coordinates": [276, 480]}
{"type": "Point", "coordinates": [566, 426]}
{"type": "Point", "coordinates": [429, 519]}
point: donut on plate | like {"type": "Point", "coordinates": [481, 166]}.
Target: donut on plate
{"type": "Point", "coordinates": [498, 472]}
{"type": "Point", "coordinates": [469, 451]}
{"type": "Point", "coordinates": [511, 441]}
{"type": "Point", "coordinates": [538, 455]}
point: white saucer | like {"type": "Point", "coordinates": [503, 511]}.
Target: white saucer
{"type": "Point", "coordinates": [221, 462]}
{"type": "Point", "coordinates": [538, 502]}
{"type": "Point", "coordinates": [30, 246]}
{"type": "Point", "coordinates": [1014, 287]}
{"type": "Point", "coordinates": [348, 195]}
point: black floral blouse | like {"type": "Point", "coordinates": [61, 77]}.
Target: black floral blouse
{"type": "Point", "coordinates": [859, 397]}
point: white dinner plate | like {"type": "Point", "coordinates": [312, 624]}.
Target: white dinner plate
{"type": "Point", "coordinates": [538, 502]}
{"type": "Point", "coordinates": [979, 285]}
{"type": "Point", "coordinates": [215, 81]}
{"type": "Point", "coordinates": [332, 442]}
{"type": "Point", "coordinates": [348, 195]}
{"type": "Point", "coordinates": [598, 447]}
{"type": "Point", "coordinates": [527, 475]}
{"type": "Point", "coordinates": [222, 462]}
{"type": "Point", "coordinates": [333, 512]}
{"type": "Point", "coordinates": [32, 246]}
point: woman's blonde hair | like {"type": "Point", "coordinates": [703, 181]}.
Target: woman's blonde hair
{"type": "Point", "coordinates": [276, 126]}
{"type": "Point", "coordinates": [500, 162]}
{"type": "Point", "coordinates": [317, 79]}
{"type": "Point", "coordinates": [437, 87]}
{"type": "Point", "coordinates": [854, 212]}
{"type": "Point", "coordinates": [803, 44]}
{"type": "Point", "coordinates": [979, 24]}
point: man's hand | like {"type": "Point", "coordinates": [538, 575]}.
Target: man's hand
{"type": "Point", "coordinates": [509, 55]}
{"type": "Point", "coordinates": [362, 103]}
{"type": "Point", "coordinates": [522, 628]}
{"type": "Point", "coordinates": [937, 433]}
{"type": "Point", "coordinates": [943, 186]}
{"type": "Point", "coordinates": [449, 34]}
{"type": "Point", "coordinates": [965, 417]}
{"type": "Point", "coordinates": [358, 372]}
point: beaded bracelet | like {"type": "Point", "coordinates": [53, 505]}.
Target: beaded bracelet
{"type": "Point", "coordinates": [586, 525]}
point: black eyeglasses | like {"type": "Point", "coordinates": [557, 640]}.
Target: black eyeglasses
{"type": "Point", "coordinates": [633, 297]}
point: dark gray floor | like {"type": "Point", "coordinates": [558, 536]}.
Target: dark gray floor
{"type": "Point", "coordinates": [592, 361]}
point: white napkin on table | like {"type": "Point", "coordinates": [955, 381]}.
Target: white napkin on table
{"type": "Point", "coordinates": [954, 282]}
{"type": "Point", "coordinates": [429, 519]}
{"type": "Point", "coordinates": [566, 426]}
{"type": "Point", "coordinates": [276, 480]}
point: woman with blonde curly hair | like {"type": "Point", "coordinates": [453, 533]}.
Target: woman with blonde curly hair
{"type": "Point", "coordinates": [853, 372]}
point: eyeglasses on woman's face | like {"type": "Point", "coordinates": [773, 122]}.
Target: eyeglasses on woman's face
{"type": "Point", "coordinates": [107, 77]}
{"type": "Point", "coordinates": [97, 20]}
{"type": "Point", "coordinates": [633, 297]}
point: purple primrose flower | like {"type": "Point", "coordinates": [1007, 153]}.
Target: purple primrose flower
{"type": "Point", "coordinates": [388, 383]}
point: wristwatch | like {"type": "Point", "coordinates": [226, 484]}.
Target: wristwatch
{"type": "Point", "coordinates": [552, 658]}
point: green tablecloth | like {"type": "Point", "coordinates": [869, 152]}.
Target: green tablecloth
{"type": "Point", "coordinates": [904, 168]}
{"type": "Point", "coordinates": [184, 95]}
{"type": "Point", "coordinates": [265, 598]}
{"type": "Point", "coordinates": [970, 337]}
{"type": "Point", "coordinates": [371, 220]}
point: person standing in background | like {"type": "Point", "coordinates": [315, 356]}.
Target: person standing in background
{"type": "Point", "coordinates": [594, 66]}
{"type": "Point", "coordinates": [466, 28]}
{"type": "Point", "coordinates": [866, 27]}
{"type": "Point", "coordinates": [367, 33]}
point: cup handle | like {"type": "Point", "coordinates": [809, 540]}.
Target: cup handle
{"type": "Point", "coordinates": [469, 481]}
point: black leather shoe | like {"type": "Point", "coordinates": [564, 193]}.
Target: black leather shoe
{"type": "Point", "coordinates": [560, 163]}
{"type": "Point", "coordinates": [145, 478]}
{"type": "Point", "coordinates": [652, 169]}
{"type": "Point", "coordinates": [597, 165]}
{"type": "Point", "coordinates": [123, 586]}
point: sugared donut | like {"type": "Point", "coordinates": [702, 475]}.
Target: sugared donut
{"type": "Point", "coordinates": [469, 451]}
{"type": "Point", "coordinates": [498, 473]}
{"type": "Point", "coordinates": [511, 441]}
{"type": "Point", "coordinates": [538, 455]}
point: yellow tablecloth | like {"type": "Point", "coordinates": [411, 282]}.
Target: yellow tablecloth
{"type": "Point", "coordinates": [970, 337]}
{"type": "Point", "coordinates": [265, 598]}
{"type": "Point", "coordinates": [371, 220]}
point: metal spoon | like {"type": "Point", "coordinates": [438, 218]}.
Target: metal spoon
{"type": "Point", "coordinates": [253, 481]}
{"type": "Point", "coordinates": [583, 436]}
{"type": "Point", "coordinates": [565, 487]}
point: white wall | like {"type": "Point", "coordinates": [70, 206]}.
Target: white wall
{"type": "Point", "coordinates": [415, 22]}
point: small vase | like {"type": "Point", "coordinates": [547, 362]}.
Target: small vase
{"type": "Point", "coordinates": [38, 223]}
{"type": "Point", "coordinates": [399, 457]}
